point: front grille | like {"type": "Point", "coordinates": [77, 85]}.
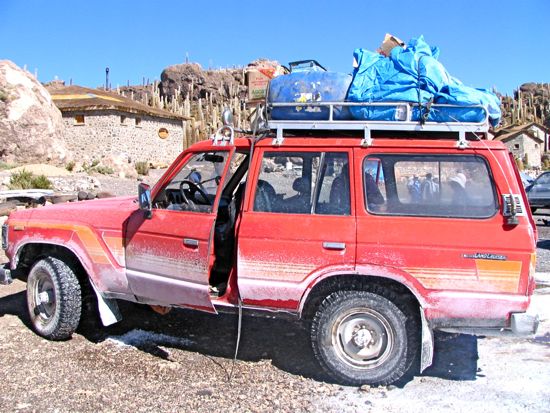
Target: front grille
{"type": "Point", "coordinates": [5, 236]}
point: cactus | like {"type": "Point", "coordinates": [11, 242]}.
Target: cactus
{"type": "Point", "coordinates": [204, 113]}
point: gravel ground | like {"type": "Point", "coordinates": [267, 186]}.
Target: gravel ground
{"type": "Point", "coordinates": [543, 245]}
{"type": "Point", "coordinates": [121, 187]}
{"type": "Point", "coordinates": [182, 362]}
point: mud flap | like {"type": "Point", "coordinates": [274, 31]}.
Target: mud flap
{"type": "Point", "coordinates": [108, 309]}
{"type": "Point", "coordinates": [427, 350]}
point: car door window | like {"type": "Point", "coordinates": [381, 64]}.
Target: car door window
{"type": "Point", "coordinates": [334, 191]}
{"type": "Point", "coordinates": [195, 186]}
{"type": "Point", "coordinates": [303, 183]}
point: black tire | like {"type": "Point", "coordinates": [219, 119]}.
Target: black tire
{"type": "Point", "coordinates": [54, 299]}
{"type": "Point", "coordinates": [360, 337]}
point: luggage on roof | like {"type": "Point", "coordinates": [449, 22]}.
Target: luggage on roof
{"type": "Point", "coordinates": [308, 82]}
{"type": "Point", "coordinates": [411, 75]}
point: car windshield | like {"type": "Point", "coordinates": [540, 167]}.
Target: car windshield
{"type": "Point", "coordinates": [526, 179]}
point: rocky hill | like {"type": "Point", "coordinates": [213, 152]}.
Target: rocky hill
{"type": "Point", "coordinates": [530, 103]}
{"type": "Point", "coordinates": [191, 81]}
{"type": "Point", "coordinates": [31, 127]}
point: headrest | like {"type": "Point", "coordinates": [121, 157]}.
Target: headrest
{"type": "Point", "coordinates": [301, 185]}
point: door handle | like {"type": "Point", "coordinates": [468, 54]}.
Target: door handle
{"type": "Point", "coordinates": [338, 246]}
{"type": "Point", "coordinates": [191, 243]}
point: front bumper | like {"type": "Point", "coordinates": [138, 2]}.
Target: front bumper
{"type": "Point", "coordinates": [5, 275]}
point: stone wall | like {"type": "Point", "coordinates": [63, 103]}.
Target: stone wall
{"type": "Point", "coordinates": [113, 132]}
{"type": "Point", "coordinates": [523, 145]}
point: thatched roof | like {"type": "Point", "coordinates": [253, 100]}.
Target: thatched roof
{"type": "Point", "coordinates": [78, 98]}
{"type": "Point", "coordinates": [508, 134]}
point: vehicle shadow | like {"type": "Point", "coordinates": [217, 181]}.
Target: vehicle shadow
{"type": "Point", "coordinates": [284, 342]}
{"type": "Point", "coordinates": [455, 357]}
{"type": "Point", "coordinates": [15, 304]}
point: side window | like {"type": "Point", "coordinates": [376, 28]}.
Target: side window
{"type": "Point", "coordinates": [195, 186]}
{"type": "Point", "coordinates": [427, 185]}
{"type": "Point", "coordinates": [373, 177]}
{"type": "Point", "coordinates": [303, 183]}
{"type": "Point", "coordinates": [236, 163]}
{"type": "Point", "coordinates": [286, 181]}
{"type": "Point", "coordinates": [334, 193]}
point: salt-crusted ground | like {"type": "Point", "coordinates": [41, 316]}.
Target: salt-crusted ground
{"type": "Point", "coordinates": [183, 362]}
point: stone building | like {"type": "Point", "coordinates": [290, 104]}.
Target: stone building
{"type": "Point", "coordinates": [99, 124]}
{"type": "Point", "coordinates": [526, 142]}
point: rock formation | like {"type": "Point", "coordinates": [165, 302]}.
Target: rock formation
{"type": "Point", "coordinates": [190, 79]}
{"type": "Point", "coordinates": [31, 127]}
{"type": "Point", "coordinates": [530, 103]}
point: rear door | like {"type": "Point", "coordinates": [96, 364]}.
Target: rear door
{"type": "Point", "coordinates": [169, 256]}
{"type": "Point", "coordinates": [435, 216]}
{"type": "Point", "coordinates": [298, 224]}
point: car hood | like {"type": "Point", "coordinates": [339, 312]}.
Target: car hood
{"type": "Point", "coordinates": [100, 213]}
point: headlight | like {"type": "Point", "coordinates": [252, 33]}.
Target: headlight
{"type": "Point", "coordinates": [5, 236]}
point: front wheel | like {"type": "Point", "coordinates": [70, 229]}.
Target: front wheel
{"type": "Point", "coordinates": [54, 299]}
{"type": "Point", "coordinates": [360, 337]}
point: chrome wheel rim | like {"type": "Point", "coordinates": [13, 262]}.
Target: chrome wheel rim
{"type": "Point", "coordinates": [43, 296]}
{"type": "Point", "coordinates": [363, 338]}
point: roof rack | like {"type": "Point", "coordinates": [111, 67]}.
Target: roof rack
{"type": "Point", "coordinates": [403, 111]}
{"type": "Point", "coordinates": [225, 135]}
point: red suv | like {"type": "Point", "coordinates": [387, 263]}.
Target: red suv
{"type": "Point", "coordinates": [374, 240]}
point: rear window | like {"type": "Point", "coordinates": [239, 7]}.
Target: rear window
{"type": "Point", "coordinates": [429, 185]}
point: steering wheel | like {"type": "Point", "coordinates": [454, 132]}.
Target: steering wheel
{"type": "Point", "coordinates": [193, 187]}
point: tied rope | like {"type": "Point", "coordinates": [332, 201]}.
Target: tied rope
{"type": "Point", "coordinates": [424, 110]}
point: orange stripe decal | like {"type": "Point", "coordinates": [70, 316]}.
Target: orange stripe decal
{"type": "Point", "coordinates": [487, 276]}
{"type": "Point", "coordinates": [85, 234]}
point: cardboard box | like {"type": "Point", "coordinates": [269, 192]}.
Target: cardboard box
{"type": "Point", "coordinates": [257, 82]}
{"type": "Point", "coordinates": [258, 78]}
{"type": "Point", "coordinates": [390, 41]}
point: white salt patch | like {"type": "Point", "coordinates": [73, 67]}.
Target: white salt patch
{"type": "Point", "coordinates": [540, 304]}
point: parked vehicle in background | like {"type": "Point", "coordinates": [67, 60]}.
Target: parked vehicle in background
{"type": "Point", "coordinates": [538, 192]}
{"type": "Point", "coordinates": [374, 241]}
{"type": "Point", "coordinates": [526, 179]}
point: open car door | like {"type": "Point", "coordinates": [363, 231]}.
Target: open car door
{"type": "Point", "coordinates": [169, 255]}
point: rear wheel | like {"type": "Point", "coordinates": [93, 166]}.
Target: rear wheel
{"type": "Point", "coordinates": [361, 337]}
{"type": "Point", "coordinates": [54, 299]}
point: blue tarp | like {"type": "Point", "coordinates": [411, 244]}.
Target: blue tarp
{"type": "Point", "coordinates": [415, 75]}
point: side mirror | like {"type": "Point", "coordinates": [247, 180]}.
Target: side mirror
{"type": "Point", "coordinates": [144, 199]}
{"type": "Point", "coordinates": [227, 117]}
